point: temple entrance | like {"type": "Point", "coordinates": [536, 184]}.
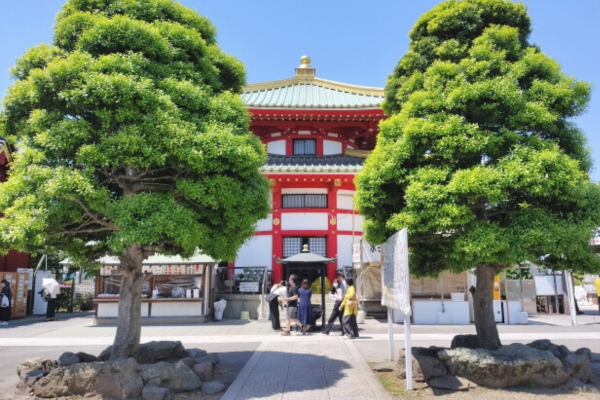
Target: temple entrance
{"type": "Point", "coordinates": [312, 272]}
{"type": "Point", "coordinates": [312, 267]}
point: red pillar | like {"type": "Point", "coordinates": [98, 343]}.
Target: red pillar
{"type": "Point", "coordinates": [277, 268]}
{"type": "Point", "coordinates": [332, 231]}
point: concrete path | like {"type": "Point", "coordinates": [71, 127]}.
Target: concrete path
{"type": "Point", "coordinates": [306, 369]}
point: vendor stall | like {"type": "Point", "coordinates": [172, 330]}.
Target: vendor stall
{"type": "Point", "coordinates": [175, 290]}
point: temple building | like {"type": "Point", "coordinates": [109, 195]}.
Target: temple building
{"type": "Point", "coordinates": [14, 259]}
{"type": "Point", "coordinates": [317, 134]}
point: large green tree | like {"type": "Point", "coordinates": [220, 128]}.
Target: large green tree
{"type": "Point", "coordinates": [479, 158]}
{"type": "Point", "coordinates": [132, 140]}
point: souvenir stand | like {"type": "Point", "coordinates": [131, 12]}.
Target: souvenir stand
{"type": "Point", "coordinates": [176, 289]}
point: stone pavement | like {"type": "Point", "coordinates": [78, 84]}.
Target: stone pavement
{"type": "Point", "coordinates": [303, 369]}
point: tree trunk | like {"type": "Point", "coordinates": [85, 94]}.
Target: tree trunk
{"type": "Point", "coordinates": [129, 324]}
{"type": "Point", "coordinates": [483, 305]}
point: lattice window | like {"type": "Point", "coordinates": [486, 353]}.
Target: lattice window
{"type": "Point", "coordinates": [291, 246]}
{"type": "Point", "coordinates": [318, 245]}
{"type": "Point", "coordinates": [305, 147]}
{"type": "Point", "coordinates": [304, 201]}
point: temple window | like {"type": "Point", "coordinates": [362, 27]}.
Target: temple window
{"type": "Point", "coordinates": [293, 245]}
{"type": "Point", "coordinates": [305, 147]}
{"type": "Point", "coordinates": [304, 201]}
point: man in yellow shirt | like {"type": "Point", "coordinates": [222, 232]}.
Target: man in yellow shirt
{"type": "Point", "coordinates": [350, 307]}
{"type": "Point", "coordinates": [597, 283]}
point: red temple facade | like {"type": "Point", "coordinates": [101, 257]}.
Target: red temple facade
{"type": "Point", "coordinates": [14, 259]}
{"type": "Point", "coordinates": [317, 134]}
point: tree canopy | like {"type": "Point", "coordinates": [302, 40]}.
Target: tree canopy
{"type": "Point", "coordinates": [129, 131]}
{"type": "Point", "coordinates": [479, 158]}
{"type": "Point", "coordinates": [132, 140]}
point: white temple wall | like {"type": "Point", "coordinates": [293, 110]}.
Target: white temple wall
{"type": "Point", "coordinates": [256, 252]}
{"type": "Point", "coordinates": [304, 221]}
{"type": "Point", "coordinates": [265, 224]}
{"type": "Point", "coordinates": [344, 222]}
{"type": "Point", "coordinates": [344, 199]}
{"type": "Point", "coordinates": [276, 147]}
{"type": "Point", "coordinates": [331, 147]}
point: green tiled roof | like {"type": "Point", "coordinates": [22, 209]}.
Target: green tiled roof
{"type": "Point", "coordinates": [310, 94]}
{"type": "Point", "coordinates": [327, 164]}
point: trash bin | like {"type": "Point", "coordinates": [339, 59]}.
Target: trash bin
{"type": "Point", "coordinates": [219, 309]}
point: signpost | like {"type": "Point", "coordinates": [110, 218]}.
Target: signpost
{"type": "Point", "coordinates": [395, 293]}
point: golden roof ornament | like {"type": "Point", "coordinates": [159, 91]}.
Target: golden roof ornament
{"type": "Point", "coordinates": [305, 249]}
{"type": "Point", "coordinates": [305, 69]}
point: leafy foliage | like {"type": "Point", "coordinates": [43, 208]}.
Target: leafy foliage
{"type": "Point", "coordinates": [130, 131]}
{"type": "Point", "coordinates": [479, 158]}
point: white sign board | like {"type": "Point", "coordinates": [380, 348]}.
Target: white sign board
{"type": "Point", "coordinates": [248, 286]}
{"type": "Point", "coordinates": [544, 285]}
{"type": "Point", "coordinates": [395, 291]}
{"type": "Point", "coordinates": [355, 253]}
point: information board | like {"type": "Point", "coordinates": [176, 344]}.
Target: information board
{"type": "Point", "coordinates": [395, 291]}
{"type": "Point", "coordinates": [248, 286]}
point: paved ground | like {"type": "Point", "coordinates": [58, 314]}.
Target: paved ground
{"type": "Point", "coordinates": [315, 366]}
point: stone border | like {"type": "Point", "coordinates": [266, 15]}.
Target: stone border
{"type": "Point", "coordinates": [372, 380]}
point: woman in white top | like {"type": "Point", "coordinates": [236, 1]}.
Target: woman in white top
{"type": "Point", "coordinates": [280, 290]}
{"type": "Point", "coordinates": [336, 294]}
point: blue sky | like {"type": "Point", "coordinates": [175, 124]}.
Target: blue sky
{"type": "Point", "coordinates": [349, 41]}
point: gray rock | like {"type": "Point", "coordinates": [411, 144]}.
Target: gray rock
{"type": "Point", "coordinates": [156, 393]}
{"type": "Point", "coordinates": [578, 366]}
{"type": "Point", "coordinates": [105, 354]}
{"type": "Point", "coordinates": [465, 341]}
{"type": "Point", "coordinates": [595, 358]}
{"type": "Point", "coordinates": [152, 352]}
{"type": "Point", "coordinates": [575, 385]}
{"type": "Point", "coordinates": [194, 353]}
{"type": "Point", "coordinates": [32, 364]}
{"type": "Point", "coordinates": [177, 377]}
{"type": "Point", "coordinates": [33, 376]}
{"type": "Point", "coordinates": [67, 359]}
{"type": "Point", "coordinates": [213, 358]}
{"type": "Point", "coordinates": [204, 370]}
{"type": "Point", "coordinates": [113, 380]}
{"type": "Point", "coordinates": [212, 387]}
{"type": "Point", "coordinates": [160, 351]}
{"type": "Point", "coordinates": [595, 374]}
{"type": "Point", "coordinates": [189, 361]}
{"type": "Point", "coordinates": [425, 363]}
{"type": "Point", "coordinates": [509, 366]}
{"type": "Point", "coordinates": [85, 357]}
{"type": "Point", "coordinates": [386, 366]}
{"type": "Point", "coordinates": [450, 382]}
{"type": "Point", "coordinates": [585, 352]}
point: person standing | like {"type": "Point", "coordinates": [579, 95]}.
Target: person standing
{"type": "Point", "coordinates": [305, 306]}
{"type": "Point", "coordinates": [337, 295]}
{"type": "Point", "coordinates": [51, 300]}
{"type": "Point", "coordinates": [292, 306]}
{"type": "Point", "coordinates": [277, 290]}
{"type": "Point", "coordinates": [597, 284]}
{"type": "Point", "coordinates": [350, 308]}
{"type": "Point", "coordinates": [5, 302]}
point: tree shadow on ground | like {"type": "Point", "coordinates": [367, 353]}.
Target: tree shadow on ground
{"type": "Point", "coordinates": [308, 375]}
